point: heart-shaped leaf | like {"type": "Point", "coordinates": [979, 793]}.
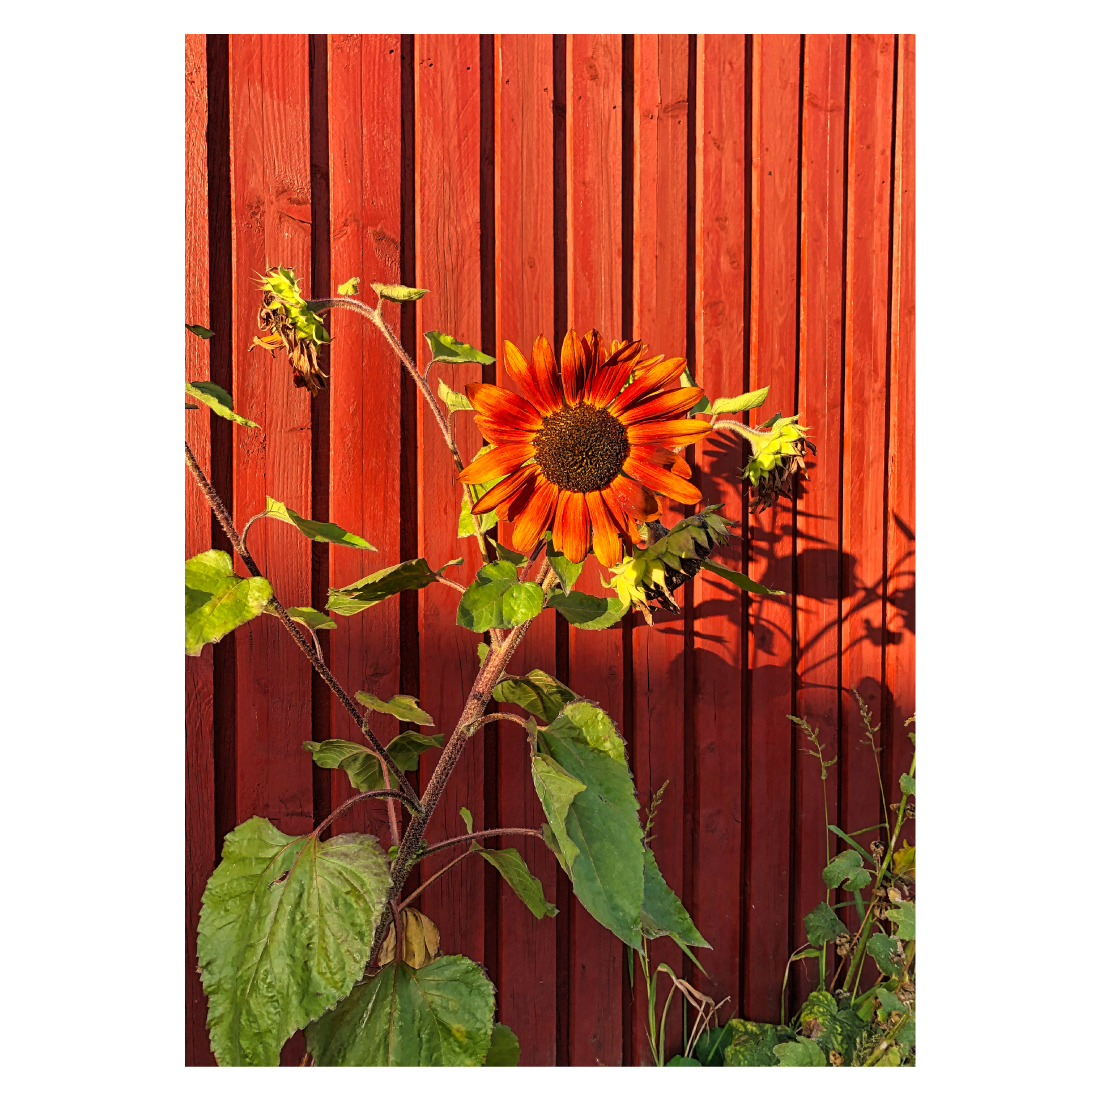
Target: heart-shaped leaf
{"type": "Point", "coordinates": [218, 601]}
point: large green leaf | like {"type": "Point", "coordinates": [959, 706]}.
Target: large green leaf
{"type": "Point", "coordinates": [663, 914]}
{"type": "Point", "coordinates": [823, 925]}
{"type": "Point", "coordinates": [439, 1015]}
{"type": "Point", "coordinates": [712, 1045]}
{"type": "Point", "coordinates": [568, 572]}
{"type": "Point", "coordinates": [753, 1044]}
{"type": "Point", "coordinates": [447, 349]}
{"type": "Point", "coordinates": [482, 605]}
{"type": "Point", "coordinates": [538, 692]}
{"type": "Point", "coordinates": [739, 579]}
{"type": "Point", "coordinates": [403, 707]}
{"type": "Point", "coordinates": [602, 820]}
{"type": "Point", "coordinates": [314, 529]}
{"type": "Point", "coordinates": [556, 789]}
{"type": "Point", "coordinates": [819, 1020]}
{"type": "Point", "coordinates": [285, 931]}
{"type": "Point", "coordinates": [218, 399]}
{"type": "Point", "coordinates": [408, 576]}
{"type": "Point", "coordinates": [881, 948]}
{"type": "Point", "coordinates": [905, 917]}
{"type": "Point", "coordinates": [800, 1052]}
{"type": "Point", "coordinates": [846, 871]}
{"type": "Point", "coordinates": [363, 767]}
{"type": "Point", "coordinates": [588, 612]}
{"type": "Point", "coordinates": [504, 1048]}
{"type": "Point", "coordinates": [518, 875]}
{"type": "Point", "coordinates": [406, 748]}
{"type": "Point", "coordinates": [217, 601]}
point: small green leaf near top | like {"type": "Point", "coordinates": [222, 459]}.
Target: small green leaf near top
{"type": "Point", "coordinates": [403, 707]}
{"type": "Point", "coordinates": [905, 917]}
{"type": "Point", "coordinates": [447, 349]}
{"type": "Point", "coordinates": [199, 331]}
{"type": "Point", "coordinates": [307, 616]}
{"type": "Point", "coordinates": [467, 819]}
{"type": "Point", "coordinates": [218, 400]}
{"type": "Point", "coordinates": [751, 400]}
{"type": "Point", "coordinates": [350, 287]}
{"type": "Point", "coordinates": [394, 292]}
{"type": "Point", "coordinates": [315, 529]}
{"type": "Point", "coordinates": [218, 601]}
{"type": "Point", "coordinates": [908, 783]}
{"type": "Point", "coordinates": [455, 402]}
{"type": "Point", "coordinates": [846, 871]}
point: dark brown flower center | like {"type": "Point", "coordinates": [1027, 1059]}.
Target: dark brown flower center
{"type": "Point", "coordinates": [581, 448]}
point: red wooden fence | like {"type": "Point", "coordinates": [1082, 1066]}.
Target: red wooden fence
{"type": "Point", "coordinates": [744, 200]}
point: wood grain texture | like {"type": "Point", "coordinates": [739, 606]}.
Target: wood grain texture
{"type": "Point", "coordinates": [870, 167]}
{"type": "Point", "coordinates": [198, 671]}
{"type": "Point", "coordinates": [661, 153]}
{"type": "Point", "coordinates": [718, 605]}
{"type": "Point", "coordinates": [524, 153]}
{"type": "Point", "coordinates": [594, 270]}
{"type": "Point", "coordinates": [773, 361]}
{"type": "Point", "coordinates": [820, 389]}
{"type": "Point", "coordinates": [448, 235]}
{"type": "Point", "coordinates": [365, 387]}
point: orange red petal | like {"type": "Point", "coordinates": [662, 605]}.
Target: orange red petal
{"type": "Point", "coordinates": [638, 504]}
{"type": "Point", "coordinates": [545, 367]}
{"type": "Point", "coordinates": [573, 369]}
{"type": "Point", "coordinates": [605, 537]}
{"type": "Point", "coordinates": [662, 456]}
{"type": "Point", "coordinates": [648, 382]}
{"type": "Point", "coordinates": [508, 408]}
{"type": "Point", "coordinates": [525, 376]}
{"type": "Point", "coordinates": [660, 480]}
{"type": "Point", "coordinates": [541, 498]}
{"type": "Point", "coordinates": [571, 525]}
{"type": "Point", "coordinates": [503, 492]}
{"type": "Point", "coordinates": [497, 462]}
{"type": "Point", "coordinates": [662, 405]}
{"type": "Point", "coordinates": [668, 433]}
{"type": "Point", "coordinates": [605, 384]}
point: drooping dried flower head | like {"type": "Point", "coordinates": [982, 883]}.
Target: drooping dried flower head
{"type": "Point", "coordinates": [291, 324]}
{"type": "Point", "coordinates": [778, 451]}
{"type": "Point", "coordinates": [584, 450]}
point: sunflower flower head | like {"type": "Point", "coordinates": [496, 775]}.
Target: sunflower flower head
{"type": "Point", "coordinates": [778, 454]}
{"type": "Point", "coordinates": [668, 560]}
{"type": "Point", "coordinates": [583, 449]}
{"type": "Point", "coordinates": [291, 324]}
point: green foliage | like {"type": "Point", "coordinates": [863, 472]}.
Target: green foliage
{"type": "Point", "coordinates": [447, 349]}
{"type": "Point", "coordinates": [538, 692]}
{"type": "Point", "coordinates": [742, 581]}
{"type": "Point", "coordinates": [905, 917]}
{"type": "Point", "coordinates": [503, 1048]}
{"type": "Point", "coordinates": [394, 292]}
{"type": "Point", "coordinates": [350, 287]}
{"type": "Point", "coordinates": [908, 784]}
{"type": "Point", "coordinates": [405, 708]}
{"type": "Point", "coordinates": [285, 929]}
{"type": "Point", "coordinates": [567, 572]}
{"type": "Point", "coordinates": [314, 529]}
{"type": "Point", "coordinates": [199, 331]}
{"type": "Point", "coordinates": [218, 601]}
{"type": "Point", "coordinates": [556, 789]}
{"type": "Point", "coordinates": [439, 1015]}
{"type": "Point", "coordinates": [498, 599]}
{"type": "Point", "coordinates": [711, 1047]}
{"type": "Point", "coordinates": [601, 820]}
{"type": "Point", "coordinates": [307, 616]}
{"type": "Point", "coordinates": [823, 925]}
{"type": "Point", "coordinates": [882, 948]}
{"type": "Point", "coordinates": [587, 612]}
{"type": "Point", "coordinates": [218, 400]}
{"type": "Point", "coordinates": [800, 1052]}
{"type": "Point", "coordinates": [455, 402]}
{"type": "Point", "coordinates": [663, 914]}
{"type": "Point", "coordinates": [363, 767]}
{"type": "Point", "coordinates": [752, 400]}
{"type": "Point", "coordinates": [846, 871]}
{"type": "Point", "coordinates": [753, 1044]}
{"type": "Point", "coordinates": [282, 284]}
{"type": "Point", "coordinates": [408, 576]}
{"type": "Point", "coordinates": [680, 1060]}
{"type": "Point", "coordinates": [518, 875]}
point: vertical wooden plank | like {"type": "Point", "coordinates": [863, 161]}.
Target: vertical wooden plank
{"type": "Point", "coordinates": [594, 270]}
{"type": "Point", "coordinates": [772, 362]}
{"type": "Point", "coordinates": [660, 320]}
{"type": "Point", "coordinates": [718, 606]}
{"type": "Point", "coordinates": [865, 412]}
{"type": "Point", "coordinates": [819, 563]}
{"type": "Point", "coordinates": [901, 521]}
{"type": "Point", "coordinates": [199, 671]}
{"type": "Point", "coordinates": [527, 972]}
{"type": "Point", "coordinates": [365, 384]}
{"type": "Point", "coordinates": [448, 263]}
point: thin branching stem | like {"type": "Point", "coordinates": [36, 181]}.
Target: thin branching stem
{"type": "Point", "coordinates": [315, 659]}
{"type": "Point", "coordinates": [479, 836]}
{"type": "Point", "coordinates": [442, 871]}
{"type": "Point", "coordinates": [381, 793]}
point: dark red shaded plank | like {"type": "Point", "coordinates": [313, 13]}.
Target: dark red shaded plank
{"type": "Point", "coordinates": [819, 563]}
{"type": "Point", "coordinates": [365, 386]}
{"type": "Point", "coordinates": [199, 671]}
{"type": "Point", "coordinates": [900, 520]}
{"type": "Point", "coordinates": [593, 84]}
{"type": "Point", "coordinates": [773, 362]}
{"type": "Point", "coordinates": [870, 165]}
{"type": "Point", "coordinates": [718, 605]}
{"type": "Point", "coordinates": [660, 320]}
{"type": "Point", "coordinates": [524, 156]}
{"type": "Point", "coordinates": [448, 263]}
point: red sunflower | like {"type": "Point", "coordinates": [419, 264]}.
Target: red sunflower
{"type": "Point", "coordinates": [580, 453]}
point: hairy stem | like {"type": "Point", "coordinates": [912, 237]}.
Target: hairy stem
{"type": "Point", "coordinates": [376, 318]}
{"type": "Point", "coordinates": [361, 721]}
{"type": "Point", "coordinates": [439, 874]}
{"type": "Point", "coordinates": [517, 831]}
{"type": "Point", "coordinates": [381, 793]}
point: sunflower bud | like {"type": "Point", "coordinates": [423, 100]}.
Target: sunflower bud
{"type": "Point", "coordinates": [291, 324]}
{"type": "Point", "coordinates": [778, 451]}
{"type": "Point", "coordinates": [668, 560]}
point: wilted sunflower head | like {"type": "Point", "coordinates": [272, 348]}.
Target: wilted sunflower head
{"type": "Point", "coordinates": [583, 450]}
{"type": "Point", "coordinates": [293, 325]}
{"type": "Point", "coordinates": [778, 454]}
